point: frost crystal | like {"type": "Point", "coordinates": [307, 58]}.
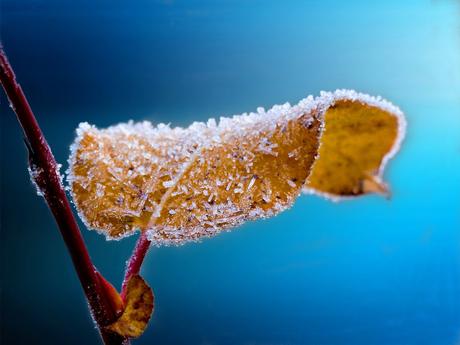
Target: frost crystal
{"type": "Point", "coordinates": [34, 174]}
{"type": "Point", "coordinates": [183, 184]}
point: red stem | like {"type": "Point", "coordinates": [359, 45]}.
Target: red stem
{"type": "Point", "coordinates": [134, 263]}
{"type": "Point", "coordinates": [46, 175]}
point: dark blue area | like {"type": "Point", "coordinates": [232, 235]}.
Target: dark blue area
{"type": "Point", "coordinates": [361, 272]}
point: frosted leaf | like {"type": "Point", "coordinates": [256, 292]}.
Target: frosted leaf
{"type": "Point", "coordinates": [181, 184]}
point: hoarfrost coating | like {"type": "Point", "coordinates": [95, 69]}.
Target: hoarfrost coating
{"type": "Point", "coordinates": [181, 184]}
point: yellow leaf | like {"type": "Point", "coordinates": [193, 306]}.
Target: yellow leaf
{"type": "Point", "coordinates": [138, 309]}
{"type": "Point", "coordinates": [184, 184]}
{"type": "Point", "coordinates": [358, 139]}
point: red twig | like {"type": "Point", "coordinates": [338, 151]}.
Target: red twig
{"type": "Point", "coordinates": [45, 173]}
{"type": "Point", "coordinates": [134, 263]}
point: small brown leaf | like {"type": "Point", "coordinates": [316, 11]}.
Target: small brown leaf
{"type": "Point", "coordinates": [138, 309]}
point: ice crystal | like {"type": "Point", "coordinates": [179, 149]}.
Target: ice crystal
{"type": "Point", "coordinates": [34, 174]}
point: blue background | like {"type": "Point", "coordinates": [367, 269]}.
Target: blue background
{"type": "Point", "coordinates": [367, 271]}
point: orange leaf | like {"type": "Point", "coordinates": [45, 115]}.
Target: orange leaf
{"type": "Point", "coordinates": [183, 184]}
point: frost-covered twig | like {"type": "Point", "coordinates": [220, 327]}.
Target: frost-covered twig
{"type": "Point", "coordinates": [45, 173]}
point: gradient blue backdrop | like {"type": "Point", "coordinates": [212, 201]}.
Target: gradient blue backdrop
{"type": "Point", "coordinates": [367, 271]}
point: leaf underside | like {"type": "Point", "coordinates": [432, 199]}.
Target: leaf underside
{"type": "Point", "coordinates": [355, 140]}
